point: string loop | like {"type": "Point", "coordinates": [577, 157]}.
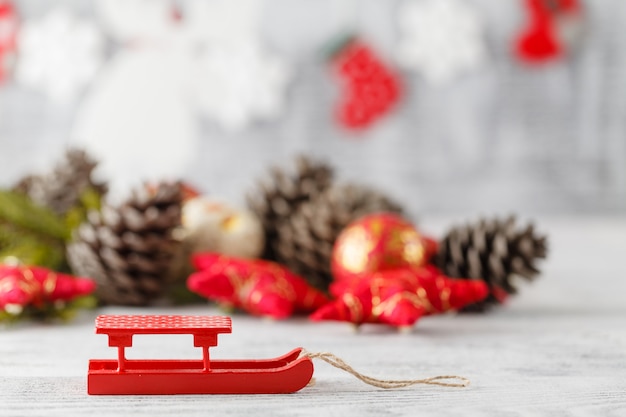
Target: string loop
{"type": "Point", "coordinates": [337, 362]}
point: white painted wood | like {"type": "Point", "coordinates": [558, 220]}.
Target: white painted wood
{"type": "Point", "coordinates": [557, 349]}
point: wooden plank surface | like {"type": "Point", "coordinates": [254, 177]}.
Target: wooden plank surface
{"type": "Point", "coordinates": [557, 349]}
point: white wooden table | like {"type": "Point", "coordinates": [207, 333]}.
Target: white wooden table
{"type": "Point", "coordinates": [557, 349]}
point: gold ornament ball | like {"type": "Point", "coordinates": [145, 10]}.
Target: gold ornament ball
{"type": "Point", "coordinates": [377, 242]}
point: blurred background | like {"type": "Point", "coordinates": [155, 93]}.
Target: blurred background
{"type": "Point", "coordinates": [474, 106]}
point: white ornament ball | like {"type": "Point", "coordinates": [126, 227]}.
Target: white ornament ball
{"type": "Point", "coordinates": [213, 226]}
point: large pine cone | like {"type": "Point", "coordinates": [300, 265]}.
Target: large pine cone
{"type": "Point", "coordinates": [128, 249]}
{"type": "Point", "coordinates": [305, 241]}
{"type": "Point", "coordinates": [282, 194]}
{"type": "Point", "coordinates": [62, 188]}
{"type": "Point", "coordinates": [494, 251]}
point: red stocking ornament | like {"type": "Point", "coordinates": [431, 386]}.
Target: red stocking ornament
{"type": "Point", "coordinates": [259, 287]}
{"type": "Point", "coordinates": [8, 32]}
{"type": "Point", "coordinates": [371, 88]}
{"type": "Point", "coordinates": [552, 31]}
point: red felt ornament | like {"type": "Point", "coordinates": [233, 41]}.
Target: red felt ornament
{"type": "Point", "coordinates": [8, 33]}
{"type": "Point", "coordinates": [371, 88]}
{"type": "Point", "coordinates": [22, 287]}
{"type": "Point", "coordinates": [399, 297]}
{"type": "Point", "coordinates": [261, 288]}
{"type": "Point", "coordinates": [553, 29]}
{"type": "Point", "coordinates": [377, 242]}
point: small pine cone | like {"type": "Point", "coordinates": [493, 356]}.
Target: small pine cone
{"type": "Point", "coordinates": [62, 189]}
{"type": "Point", "coordinates": [305, 241]}
{"type": "Point", "coordinates": [494, 251]}
{"type": "Point", "coordinates": [281, 195]}
{"type": "Point", "coordinates": [127, 250]}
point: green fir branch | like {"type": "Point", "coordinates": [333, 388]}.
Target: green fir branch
{"type": "Point", "coordinates": [19, 210]}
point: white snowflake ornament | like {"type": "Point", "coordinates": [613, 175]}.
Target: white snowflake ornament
{"type": "Point", "coordinates": [238, 83]}
{"type": "Point", "coordinates": [442, 38]}
{"type": "Point", "coordinates": [59, 54]}
{"type": "Point", "coordinates": [140, 116]}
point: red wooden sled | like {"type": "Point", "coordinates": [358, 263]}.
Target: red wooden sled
{"type": "Point", "coordinates": [285, 374]}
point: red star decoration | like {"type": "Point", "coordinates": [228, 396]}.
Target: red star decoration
{"type": "Point", "coordinates": [22, 286]}
{"type": "Point", "coordinates": [259, 287]}
{"type": "Point", "coordinates": [399, 297]}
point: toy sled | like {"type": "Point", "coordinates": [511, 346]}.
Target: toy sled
{"type": "Point", "coordinates": [281, 375]}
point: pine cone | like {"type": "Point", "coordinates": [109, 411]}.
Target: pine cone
{"type": "Point", "coordinates": [305, 241]}
{"type": "Point", "coordinates": [63, 188]}
{"type": "Point", "coordinates": [278, 198]}
{"type": "Point", "coordinates": [128, 249]}
{"type": "Point", "coordinates": [494, 251]}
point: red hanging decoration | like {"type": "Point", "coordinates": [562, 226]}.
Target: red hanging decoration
{"type": "Point", "coordinates": [371, 88]}
{"type": "Point", "coordinates": [552, 31]}
{"type": "Point", "coordinates": [8, 33]}
{"type": "Point", "coordinates": [261, 288]}
{"type": "Point", "coordinates": [399, 297]}
{"type": "Point", "coordinates": [21, 287]}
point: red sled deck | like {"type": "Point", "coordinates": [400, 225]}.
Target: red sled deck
{"type": "Point", "coordinates": [285, 374]}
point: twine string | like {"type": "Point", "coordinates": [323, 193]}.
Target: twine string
{"type": "Point", "coordinates": [337, 362]}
